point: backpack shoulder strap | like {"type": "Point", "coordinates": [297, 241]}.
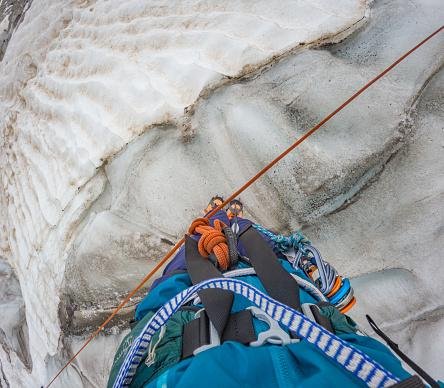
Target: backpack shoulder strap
{"type": "Point", "coordinates": [217, 303]}
{"type": "Point", "coordinates": [279, 284]}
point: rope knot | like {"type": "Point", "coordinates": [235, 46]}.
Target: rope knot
{"type": "Point", "coordinates": [198, 223]}
{"type": "Point", "coordinates": [212, 240]}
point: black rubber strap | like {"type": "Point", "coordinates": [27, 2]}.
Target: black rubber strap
{"type": "Point", "coordinates": [411, 382]}
{"type": "Point", "coordinates": [394, 346]}
{"type": "Point", "coordinates": [196, 333]}
{"type": "Point", "coordinates": [217, 303]}
{"type": "Point", "coordinates": [279, 284]}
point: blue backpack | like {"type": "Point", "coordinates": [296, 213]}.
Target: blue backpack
{"type": "Point", "coordinates": [266, 322]}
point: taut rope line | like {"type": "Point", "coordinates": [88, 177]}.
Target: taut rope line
{"type": "Point", "coordinates": [240, 190]}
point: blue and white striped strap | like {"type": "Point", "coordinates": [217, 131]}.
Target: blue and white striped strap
{"type": "Point", "coordinates": [354, 360]}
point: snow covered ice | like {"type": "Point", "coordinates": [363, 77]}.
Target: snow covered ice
{"type": "Point", "coordinates": [119, 120]}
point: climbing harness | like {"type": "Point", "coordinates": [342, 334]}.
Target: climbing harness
{"type": "Point", "coordinates": [306, 321]}
{"type": "Point", "coordinates": [367, 370]}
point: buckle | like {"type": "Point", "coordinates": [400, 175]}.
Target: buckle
{"type": "Point", "coordinates": [214, 337]}
{"type": "Point", "coordinates": [274, 335]}
{"type": "Point", "coordinates": [199, 334]}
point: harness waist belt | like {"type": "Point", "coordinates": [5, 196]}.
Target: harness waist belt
{"type": "Point", "coordinates": [197, 334]}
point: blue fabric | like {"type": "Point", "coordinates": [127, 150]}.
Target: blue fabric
{"type": "Point", "coordinates": [330, 345]}
{"type": "Point", "coordinates": [233, 364]}
{"type": "Point", "coordinates": [300, 364]}
{"type": "Point", "coordinates": [162, 293]}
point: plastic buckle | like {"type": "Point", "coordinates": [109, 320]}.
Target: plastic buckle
{"type": "Point", "coordinates": [214, 336]}
{"type": "Point", "coordinates": [274, 335]}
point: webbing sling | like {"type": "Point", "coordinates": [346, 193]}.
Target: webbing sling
{"type": "Point", "coordinates": [279, 284]}
{"type": "Point", "coordinates": [338, 350]}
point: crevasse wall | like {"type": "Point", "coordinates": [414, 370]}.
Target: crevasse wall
{"type": "Point", "coordinates": [80, 80]}
{"type": "Point", "coordinates": [111, 111]}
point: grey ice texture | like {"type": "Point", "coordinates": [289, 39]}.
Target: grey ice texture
{"type": "Point", "coordinates": [119, 123]}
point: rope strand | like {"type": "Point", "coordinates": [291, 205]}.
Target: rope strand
{"type": "Point", "coordinates": [243, 188]}
{"type": "Point", "coordinates": [212, 240]}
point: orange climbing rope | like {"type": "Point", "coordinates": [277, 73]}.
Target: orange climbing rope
{"type": "Point", "coordinates": [212, 240]}
{"type": "Point", "coordinates": [240, 190]}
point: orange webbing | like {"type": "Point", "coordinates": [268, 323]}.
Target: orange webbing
{"type": "Point", "coordinates": [212, 240]}
{"type": "Point", "coordinates": [245, 186]}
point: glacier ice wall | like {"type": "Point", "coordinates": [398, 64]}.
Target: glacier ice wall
{"type": "Point", "coordinates": [112, 111]}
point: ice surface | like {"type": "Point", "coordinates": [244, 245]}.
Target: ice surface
{"type": "Point", "coordinates": [399, 225]}
{"type": "Point", "coordinates": [120, 119]}
{"type": "Point", "coordinates": [14, 344]}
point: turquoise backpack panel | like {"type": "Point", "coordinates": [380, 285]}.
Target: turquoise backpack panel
{"type": "Point", "coordinates": [235, 365]}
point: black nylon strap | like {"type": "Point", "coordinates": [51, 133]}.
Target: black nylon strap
{"type": "Point", "coordinates": [394, 346]}
{"type": "Point", "coordinates": [411, 382]}
{"type": "Point", "coordinates": [196, 333]}
{"type": "Point", "coordinates": [240, 328]}
{"type": "Point", "coordinates": [217, 303]}
{"type": "Point", "coordinates": [279, 284]}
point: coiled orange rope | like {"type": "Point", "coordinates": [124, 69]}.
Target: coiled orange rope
{"type": "Point", "coordinates": [212, 240]}
{"type": "Point", "coordinates": [240, 190]}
